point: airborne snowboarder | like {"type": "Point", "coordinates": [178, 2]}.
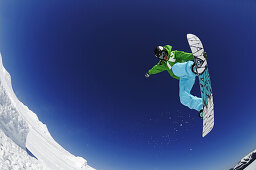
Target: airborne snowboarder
{"type": "Point", "coordinates": [180, 66]}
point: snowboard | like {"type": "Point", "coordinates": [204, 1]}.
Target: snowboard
{"type": "Point", "coordinates": [201, 65]}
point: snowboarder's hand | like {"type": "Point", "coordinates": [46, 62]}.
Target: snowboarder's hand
{"type": "Point", "coordinates": [147, 75]}
{"type": "Point", "coordinates": [205, 55]}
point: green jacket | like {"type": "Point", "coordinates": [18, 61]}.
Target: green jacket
{"type": "Point", "coordinates": [173, 58]}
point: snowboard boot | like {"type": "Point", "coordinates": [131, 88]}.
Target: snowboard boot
{"type": "Point", "coordinates": [200, 113]}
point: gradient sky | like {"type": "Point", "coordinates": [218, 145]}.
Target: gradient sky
{"type": "Point", "coordinates": [80, 65]}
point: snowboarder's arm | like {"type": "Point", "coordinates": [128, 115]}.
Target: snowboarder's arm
{"type": "Point", "coordinates": [182, 56]}
{"type": "Point", "coordinates": [159, 67]}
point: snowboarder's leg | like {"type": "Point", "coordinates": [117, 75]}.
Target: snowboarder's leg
{"type": "Point", "coordinates": [186, 98]}
{"type": "Point", "coordinates": [183, 69]}
{"type": "Point", "coordinates": [187, 80]}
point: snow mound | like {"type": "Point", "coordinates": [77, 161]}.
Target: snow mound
{"type": "Point", "coordinates": [20, 128]}
{"type": "Point", "coordinates": [247, 163]}
{"type": "Point", "coordinates": [11, 122]}
{"type": "Point", "coordinates": [14, 157]}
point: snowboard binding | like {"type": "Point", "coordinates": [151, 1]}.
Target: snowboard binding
{"type": "Point", "coordinates": [200, 114]}
{"type": "Point", "coordinates": [198, 63]}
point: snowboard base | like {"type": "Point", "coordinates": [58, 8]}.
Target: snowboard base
{"type": "Point", "coordinates": [204, 80]}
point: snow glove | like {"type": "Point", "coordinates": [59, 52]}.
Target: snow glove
{"type": "Point", "coordinates": [147, 75]}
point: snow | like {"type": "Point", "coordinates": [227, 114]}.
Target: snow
{"type": "Point", "coordinates": [14, 157]}
{"type": "Point", "coordinates": [252, 166]}
{"type": "Point", "coordinates": [247, 163]}
{"type": "Point", "coordinates": [20, 128]}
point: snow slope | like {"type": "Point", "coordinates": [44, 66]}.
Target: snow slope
{"type": "Point", "coordinates": [14, 157]}
{"type": "Point", "coordinates": [252, 166]}
{"type": "Point", "coordinates": [21, 129]}
{"type": "Point", "coordinates": [247, 163]}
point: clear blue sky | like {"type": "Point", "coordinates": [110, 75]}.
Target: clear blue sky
{"type": "Point", "coordinates": [80, 65]}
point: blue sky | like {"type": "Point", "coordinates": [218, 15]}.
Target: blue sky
{"type": "Point", "coordinates": [80, 65]}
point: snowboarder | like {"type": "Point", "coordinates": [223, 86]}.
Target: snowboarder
{"type": "Point", "coordinates": [180, 66]}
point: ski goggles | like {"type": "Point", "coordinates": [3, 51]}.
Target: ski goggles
{"type": "Point", "coordinates": [160, 52]}
{"type": "Point", "coordinates": [161, 55]}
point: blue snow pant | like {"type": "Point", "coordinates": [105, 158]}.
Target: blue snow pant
{"type": "Point", "coordinates": [187, 80]}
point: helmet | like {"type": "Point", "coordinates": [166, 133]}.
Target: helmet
{"type": "Point", "coordinates": [160, 52]}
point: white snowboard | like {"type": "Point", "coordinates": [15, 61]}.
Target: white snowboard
{"type": "Point", "coordinates": [204, 80]}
